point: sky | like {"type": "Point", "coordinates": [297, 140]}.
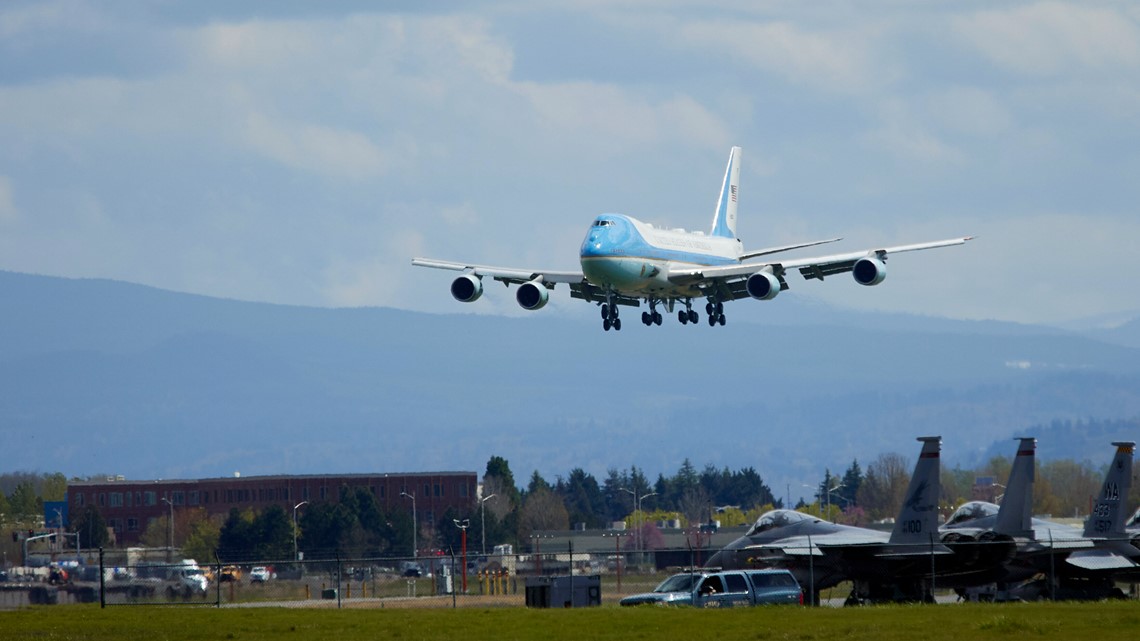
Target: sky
{"type": "Point", "coordinates": [302, 153]}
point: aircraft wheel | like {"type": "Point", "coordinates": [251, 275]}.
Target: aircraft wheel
{"type": "Point", "coordinates": [721, 320]}
{"type": "Point", "coordinates": [606, 324]}
{"type": "Point", "coordinates": [683, 317]}
{"type": "Point", "coordinates": [693, 318]}
{"type": "Point", "coordinates": [712, 320]}
{"type": "Point", "coordinates": [617, 324]}
{"type": "Point", "coordinates": [657, 318]}
{"type": "Point", "coordinates": [605, 311]}
{"type": "Point", "coordinates": [708, 309]}
{"type": "Point", "coordinates": [720, 309]}
{"type": "Point", "coordinates": [645, 320]}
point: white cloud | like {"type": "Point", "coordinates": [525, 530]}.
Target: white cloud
{"type": "Point", "coordinates": [1050, 38]}
{"type": "Point", "coordinates": [316, 149]}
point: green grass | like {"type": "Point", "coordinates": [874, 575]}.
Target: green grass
{"type": "Point", "coordinates": [964, 622]}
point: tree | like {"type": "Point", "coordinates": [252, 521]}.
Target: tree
{"type": "Point", "coordinates": [23, 501]}
{"type": "Point", "coordinates": [542, 510]}
{"type": "Point", "coordinates": [91, 527]}
{"type": "Point", "coordinates": [238, 536]}
{"type": "Point", "coordinates": [583, 498]}
{"type": "Point", "coordinates": [499, 468]}
{"type": "Point", "coordinates": [537, 483]}
{"type": "Point", "coordinates": [849, 489]}
{"type": "Point", "coordinates": [883, 487]}
{"type": "Point", "coordinates": [202, 537]}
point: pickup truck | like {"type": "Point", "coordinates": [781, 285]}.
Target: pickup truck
{"type": "Point", "coordinates": [723, 589]}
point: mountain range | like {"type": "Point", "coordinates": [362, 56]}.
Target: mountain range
{"type": "Point", "coordinates": [106, 377]}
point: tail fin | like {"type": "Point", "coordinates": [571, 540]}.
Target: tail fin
{"type": "Point", "coordinates": [724, 220]}
{"type": "Point", "coordinates": [918, 517]}
{"type": "Point", "coordinates": [1108, 515]}
{"type": "Point", "coordinates": [1016, 511]}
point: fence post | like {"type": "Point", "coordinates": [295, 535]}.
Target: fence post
{"type": "Point", "coordinates": [933, 575]}
{"type": "Point", "coordinates": [338, 571]}
{"type": "Point", "coordinates": [102, 581]}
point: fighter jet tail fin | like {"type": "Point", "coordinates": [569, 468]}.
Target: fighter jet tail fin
{"type": "Point", "coordinates": [1108, 515]}
{"type": "Point", "coordinates": [1016, 511]}
{"type": "Point", "coordinates": [918, 519]}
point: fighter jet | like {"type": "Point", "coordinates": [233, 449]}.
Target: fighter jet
{"type": "Point", "coordinates": [821, 554]}
{"type": "Point", "coordinates": [1075, 563]}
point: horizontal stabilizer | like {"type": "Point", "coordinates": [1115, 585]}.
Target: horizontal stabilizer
{"type": "Point", "coordinates": [1100, 560]}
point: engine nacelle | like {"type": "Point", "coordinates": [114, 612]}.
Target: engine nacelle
{"type": "Point", "coordinates": [869, 271]}
{"type": "Point", "coordinates": [763, 286]}
{"type": "Point", "coordinates": [467, 288]}
{"type": "Point", "coordinates": [532, 295]}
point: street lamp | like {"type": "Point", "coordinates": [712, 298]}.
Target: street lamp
{"type": "Point", "coordinates": [170, 531]}
{"type": "Point", "coordinates": [462, 525]}
{"type": "Point", "coordinates": [415, 525]}
{"type": "Point", "coordinates": [296, 555]}
{"type": "Point", "coordinates": [637, 510]}
{"type": "Point", "coordinates": [483, 522]}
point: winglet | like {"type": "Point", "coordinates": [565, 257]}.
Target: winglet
{"type": "Point", "coordinates": [1108, 516]}
{"type": "Point", "coordinates": [724, 220]}
{"type": "Point", "coordinates": [918, 518]}
{"type": "Point", "coordinates": [1016, 511]}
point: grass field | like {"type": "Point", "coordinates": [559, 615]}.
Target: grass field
{"type": "Point", "coordinates": [964, 622]}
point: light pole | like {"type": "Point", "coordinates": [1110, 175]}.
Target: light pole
{"type": "Point", "coordinates": [483, 522]}
{"type": "Point", "coordinates": [462, 525]}
{"type": "Point", "coordinates": [415, 525]}
{"type": "Point", "coordinates": [296, 555]}
{"type": "Point", "coordinates": [637, 511]}
{"type": "Point", "coordinates": [170, 531]}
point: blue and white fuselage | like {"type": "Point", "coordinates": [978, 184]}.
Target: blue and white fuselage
{"type": "Point", "coordinates": [626, 262]}
{"type": "Point", "coordinates": [635, 259]}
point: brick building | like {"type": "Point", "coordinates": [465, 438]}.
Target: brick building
{"type": "Point", "coordinates": [130, 506]}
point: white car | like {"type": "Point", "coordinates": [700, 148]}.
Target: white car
{"type": "Point", "coordinates": [259, 574]}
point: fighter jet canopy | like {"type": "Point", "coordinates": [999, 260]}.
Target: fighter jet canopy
{"type": "Point", "coordinates": [779, 518]}
{"type": "Point", "coordinates": [972, 511]}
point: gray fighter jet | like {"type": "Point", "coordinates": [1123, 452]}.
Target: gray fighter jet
{"type": "Point", "coordinates": [1075, 563]}
{"type": "Point", "coordinates": [821, 554]}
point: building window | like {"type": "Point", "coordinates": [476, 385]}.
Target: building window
{"type": "Point", "coordinates": [463, 490]}
{"type": "Point", "coordinates": [138, 498]}
{"type": "Point", "coordinates": [427, 490]}
{"type": "Point", "coordinates": [193, 497]}
{"type": "Point", "coordinates": [132, 523]}
{"type": "Point", "coordinates": [102, 499]}
{"type": "Point", "coordinates": [116, 499]}
{"type": "Point", "coordinates": [128, 496]}
{"type": "Point", "coordinates": [79, 499]}
{"type": "Point", "coordinates": [437, 489]}
{"type": "Point", "coordinates": [149, 498]}
{"type": "Point", "coordinates": [324, 493]}
{"type": "Point", "coordinates": [179, 498]}
{"type": "Point", "coordinates": [383, 491]}
{"type": "Point", "coordinates": [116, 525]}
{"type": "Point", "coordinates": [305, 493]}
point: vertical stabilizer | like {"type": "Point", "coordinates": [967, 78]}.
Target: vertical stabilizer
{"type": "Point", "coordinates": [724, 221]}
{"type": "Point", "coordinates": [1016, 512]}
{"type": "Point", "coordinates": [918, 518]}
{"type": "Point", "coordinates": [1108, 515]}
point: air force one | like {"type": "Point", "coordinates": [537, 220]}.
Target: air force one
{"type": "Point", "coordinates": [625, 261]}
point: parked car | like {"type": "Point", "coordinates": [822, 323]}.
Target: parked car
{"type": "Point", "coordinates": [723, 589]}
{"type": "Point", "coordinates": [230, 573]}
{"type": "Point", "coordinates": [259, 574]}
{"type": "Point", "coordinates": [675, 590]}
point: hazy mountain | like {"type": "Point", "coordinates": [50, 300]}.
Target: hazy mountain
{"type": "Point", "coordinates": [102, 376]}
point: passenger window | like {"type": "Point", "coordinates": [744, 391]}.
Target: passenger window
{"type": "Point", "coordinates": [736, 583]}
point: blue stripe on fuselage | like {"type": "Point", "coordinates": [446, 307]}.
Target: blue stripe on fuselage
{"type": "Point", "coordinates": [620, 239]}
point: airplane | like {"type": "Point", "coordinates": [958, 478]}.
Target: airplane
{"type": "Point", "coordinates": [822, 554]}
{"type": "Point", "coordinates": [625, 261]}
{"type": "Point", "coordinates": [1076, 563]}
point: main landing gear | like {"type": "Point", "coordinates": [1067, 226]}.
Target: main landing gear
{"type": "Point", "coordinates": [715, 310]}
{"type": "Point", "coordinates": [610, 317]}
{"type": "Point", "coordinates": [688, 315]}
{"type": "Point", "coordinates": [652, 317]}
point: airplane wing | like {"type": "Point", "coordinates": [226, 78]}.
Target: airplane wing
{"type": "Point", "coordinates": [579, 286]}
{"type": "Point", "coordinates": [728, 282]}
{"type": "Point", "coordinates": [1100, 560]}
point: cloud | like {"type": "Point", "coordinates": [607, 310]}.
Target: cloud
{"type": "Point", "coordinates": [1051, 38]}
{"type": "Point", "coordinates": [314, 148]}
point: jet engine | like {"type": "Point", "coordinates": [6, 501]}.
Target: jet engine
{"type": "Point", "coordinates": [869, 271]}
{"type": "Point", "coordinates": [532, 295]}
{"type": "Point", "coordinates": [763, 286]}
{"type": "Point", "coordinates": [467, 288]}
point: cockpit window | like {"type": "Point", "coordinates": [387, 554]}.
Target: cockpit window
{"type": "Point", "coordinates": [603, 223]}
{"type": "Point", "coordinates": [972, 511]}
{"type": "Point", "coordinates": [777, 518]}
